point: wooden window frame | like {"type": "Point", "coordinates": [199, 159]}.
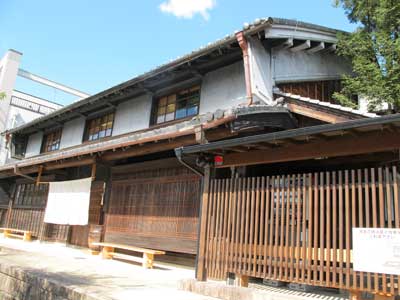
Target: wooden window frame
{"type": "Point", "coordinates": [55, 135]}
{"type": "Point", "coordinates": [95, 125]}
{"type": "Point", "coordinates": [166, 106]}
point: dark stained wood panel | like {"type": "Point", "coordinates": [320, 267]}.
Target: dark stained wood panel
{"type": "Point", "coordinates": [27, 213]}
{"type": "Point", "coordinates": [154, 208]}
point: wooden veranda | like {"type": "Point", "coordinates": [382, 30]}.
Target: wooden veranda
{"type": "Point", "coordinates": [297, 226]}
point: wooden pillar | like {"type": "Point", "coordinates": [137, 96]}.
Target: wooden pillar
{"type": "Point", "coordinates": [107, 252]}
{"type": "Point", "coordinates": [27, 236]}
{"type": "Point", "coordinates": [242, 280]}
{"type": "Point", "coordinates": [201, 272]}
{"type": "Point", "coordinates": [39, 177]}
{"type": "Point", "coordinates": [148, 260]}
{"type": "Point", "coordinates": [6, 233]}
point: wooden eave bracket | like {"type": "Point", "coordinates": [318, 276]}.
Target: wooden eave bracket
{"type": "Point", "coordinates": [200, 135]}
{"type": "Point", "coordinates": [17, 172]}
{"type": "Point", "coordinates": [94, 169]}
{"type": "Point", "coordinates": [39, 175]}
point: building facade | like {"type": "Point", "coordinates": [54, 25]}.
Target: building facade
{"type": "Point", "coordinates": [272, 76]}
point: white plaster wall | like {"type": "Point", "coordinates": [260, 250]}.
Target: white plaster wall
{"type": "Point", "coordinates": [296, 66]}
{"type": "Point", "coordinates": [261, 72]}
{"type": "Point", "coordinates": [132, 115]}
{"type": "Point", "coordinates": [72, 133]}
{"type": "Point", "coordinates": [34, 144]}
{"type": "Point", "coordinates": [223, 88]}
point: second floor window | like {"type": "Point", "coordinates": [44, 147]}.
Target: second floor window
{"type": "Point", "coordinates": [51, 141]}
{"type": "Point", "coordinates": [99, 127]}
{"type": "Point", "coordinates": [180, 105]}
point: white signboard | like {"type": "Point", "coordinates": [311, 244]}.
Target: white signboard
{"type": "Point", "coordinates": [376, 250]}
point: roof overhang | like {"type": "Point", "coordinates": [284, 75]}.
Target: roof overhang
{"type": "Point", "coordinates": [188, 68]}
{"type": "Point", "coordinates": [317, 142]}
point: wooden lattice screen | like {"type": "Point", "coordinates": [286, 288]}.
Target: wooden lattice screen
{"type": "Point", "coordinates": [156, 208]}
{"type": "Point", "coordinates": [27, 213]}
{"type": "Point", "coordinates": [298, 228]}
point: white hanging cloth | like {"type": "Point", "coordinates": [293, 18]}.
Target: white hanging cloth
{"type": "Point", "coordinates": [68, 202]}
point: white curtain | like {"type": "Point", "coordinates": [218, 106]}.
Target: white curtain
{"type": "Point", "coordinates": [68, 202]}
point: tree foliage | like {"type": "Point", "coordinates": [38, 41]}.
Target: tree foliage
{"type": "Point", "coordinates": [2, 95]}
{"type": "Point", "coordinates": [374, 51]}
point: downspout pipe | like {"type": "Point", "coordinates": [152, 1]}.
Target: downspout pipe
{"type": "Point", "coordinates": [178, 154]}
{"type": "Point", "coordinates": [244, 45]}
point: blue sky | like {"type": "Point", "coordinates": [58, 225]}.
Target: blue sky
{"type": "Point", "coordinates": [93, 45]}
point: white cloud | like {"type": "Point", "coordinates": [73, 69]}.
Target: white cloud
{"type": "Point", "coordinates": [188, 8]}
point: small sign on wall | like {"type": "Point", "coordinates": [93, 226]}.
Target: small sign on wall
{"type": "Point", "coordinates": [376, 250]}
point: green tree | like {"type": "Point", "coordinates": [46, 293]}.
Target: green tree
{"type": "Point", "coordinates": [374, 51]}
{"type": "Point", "coordinates": [2, 95]}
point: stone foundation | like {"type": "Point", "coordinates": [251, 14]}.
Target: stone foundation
{"type": "Point", "coordinates": [21, 284]}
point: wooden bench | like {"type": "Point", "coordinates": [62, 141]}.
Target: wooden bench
{"type": "Point", "coordinates": [148, 254]}
{"type": "Point", "coordinates": [25, 235]}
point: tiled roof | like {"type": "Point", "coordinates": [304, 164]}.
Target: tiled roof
{"type": "Point", "coordinates": [325, 104]}
{"type": "Point", "coordinates": [248, 28]}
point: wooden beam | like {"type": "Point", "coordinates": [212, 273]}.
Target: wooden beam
{"type": "Point", "coordinates": [341, 146]}
{"type": "Point", "coordinates": [149, 148]}
{"type": "Point", "coordinates": [285, 44]}
{"type": "Point", "coordinates": [302, 46]}
{"type": "Point", "coordinates": [39, 177]}
{"type": "Point", "coordinates": [316, 114]}
{"type": "Point", "coordinates": [18, 173]}
{"type": "Point", "coordinates": [331, 48]}
{"type": "Point", "coordinates": [320, 46]}
{"type": "Point", "coordinates": [165, 145]}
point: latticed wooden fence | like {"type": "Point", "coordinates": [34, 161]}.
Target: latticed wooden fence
{"type": "Point", "coordinates": [298, 228]}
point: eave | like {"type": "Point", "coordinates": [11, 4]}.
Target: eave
{"type": "Point", "coordinates": [133, 144]}
{"type": "Point", "coordinates": [187, 68]}
{"type": "Point", "coordinates": [317, 142]}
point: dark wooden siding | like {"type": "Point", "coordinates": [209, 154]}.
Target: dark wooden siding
{"type": "Point", "coordinates": [320, 90]}
{"type": "Point", "coordinates": [3, 217]}
{"type": "Point", "coordinates": [155, 208]}
{"type": "Point", "coordinates": [28, 213]}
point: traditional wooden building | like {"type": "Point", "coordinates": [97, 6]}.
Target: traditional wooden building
{"type": "Point", "coordinates": [274, 75]}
